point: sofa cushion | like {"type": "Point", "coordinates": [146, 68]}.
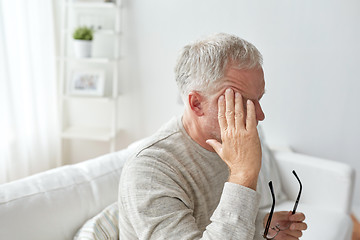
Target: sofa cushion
{"type": "Point", "coordinates": [56, 203]}
{"type": "Point", "coordinates": [103, 226]}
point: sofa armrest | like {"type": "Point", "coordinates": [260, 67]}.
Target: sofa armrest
{"type": "Point", "coordinates": [326, 184]}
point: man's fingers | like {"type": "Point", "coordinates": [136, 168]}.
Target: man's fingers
{"type": "Point", "coordinates": [289, 235]}
{"type": "Point", "coordinates": [251, 116]}
{"type": "Point", "coordinates": [283, 215]}
{"type": "Point", "coordinates": [301, 226]}
{"type": "Point", "coordinates": [296, 234]}
{"type": "Point", "coordinates": [221, 113]}
{"type": "Point", "coordinates": [239, 111]}
{"type": "Point", "coordinates": [292, 231]}
{"type": "Point", "coordinates": [230, 109]}
{"type": "Point", "coordinates": [297, 217]}
{"type": "Point", "coordinates": [215, 145]}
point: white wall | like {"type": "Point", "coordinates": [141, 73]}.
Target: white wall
{"type": "Point", "coordinates": [310, 51]}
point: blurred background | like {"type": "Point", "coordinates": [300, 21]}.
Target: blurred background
{"type": "Point", "coordinates": [310, 51]}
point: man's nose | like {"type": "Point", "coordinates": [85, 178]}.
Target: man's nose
{"type": "Point", "coordinates": [260, 115]}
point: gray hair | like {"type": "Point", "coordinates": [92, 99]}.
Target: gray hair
{"type": "Point", "coordinates": [203, 63]}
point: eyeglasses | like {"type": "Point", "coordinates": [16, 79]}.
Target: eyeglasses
{"type": "Point", "coordinates": [271, 233]}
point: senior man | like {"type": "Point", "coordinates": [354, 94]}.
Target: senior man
{"type": "Point", "coordinates": [199, 176]}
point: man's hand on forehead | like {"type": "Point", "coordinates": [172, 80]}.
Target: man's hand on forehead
{"type": "Point", "coordinates": [240, 148]}
{"type": "Point", "coordinates": [236, 92]}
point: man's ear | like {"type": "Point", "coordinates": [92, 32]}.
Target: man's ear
{"type": "Point", "coordinates": [195, 101]}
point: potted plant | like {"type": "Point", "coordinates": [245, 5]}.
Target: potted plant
{"type": "Point", "coordinates": [82, 41]}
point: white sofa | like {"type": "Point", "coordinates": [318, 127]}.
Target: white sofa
{"type": "Point", "coordinates": [56, 203]}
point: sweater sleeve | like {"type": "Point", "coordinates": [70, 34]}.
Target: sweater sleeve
{"type": "Point", "coordinates": [154, 205]}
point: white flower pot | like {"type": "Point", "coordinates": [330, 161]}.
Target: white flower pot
{"type": "Point", "coordinates": [82, 48]}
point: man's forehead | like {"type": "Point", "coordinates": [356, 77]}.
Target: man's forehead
{"type": "Point", "coordinates": [245, 76]}
{"type": "Point", "coordinates": [245, 81]}
{"type": "Point", "coordinates": [234, 71]}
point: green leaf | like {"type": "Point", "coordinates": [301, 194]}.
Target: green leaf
{"type": "Point", "coordinates": [83, 33]}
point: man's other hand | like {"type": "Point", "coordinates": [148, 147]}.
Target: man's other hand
{"type": "Point", "coordinates": [291, 226]}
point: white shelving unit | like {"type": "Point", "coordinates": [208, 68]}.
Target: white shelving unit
{"type": "Point", "coordinates": [105, 17]}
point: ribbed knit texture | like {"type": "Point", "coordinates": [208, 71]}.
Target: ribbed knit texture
{"type": "Point", "coordinates": [172, 188]}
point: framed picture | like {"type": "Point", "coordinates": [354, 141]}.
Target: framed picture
{"type": "Point", "coordinates": [87, 83]}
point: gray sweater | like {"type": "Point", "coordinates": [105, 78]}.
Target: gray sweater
{"type": "Point", "coordinates": [172, 188]}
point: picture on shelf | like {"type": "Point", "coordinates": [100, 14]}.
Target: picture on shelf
{"type": "Point", "coordinates": [87, 83]}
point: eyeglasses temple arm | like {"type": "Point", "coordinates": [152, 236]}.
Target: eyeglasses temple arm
{"type": "Point", "coordinates": [271, 211]}
{"type": "Point", "coordinates": [298, 197]}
